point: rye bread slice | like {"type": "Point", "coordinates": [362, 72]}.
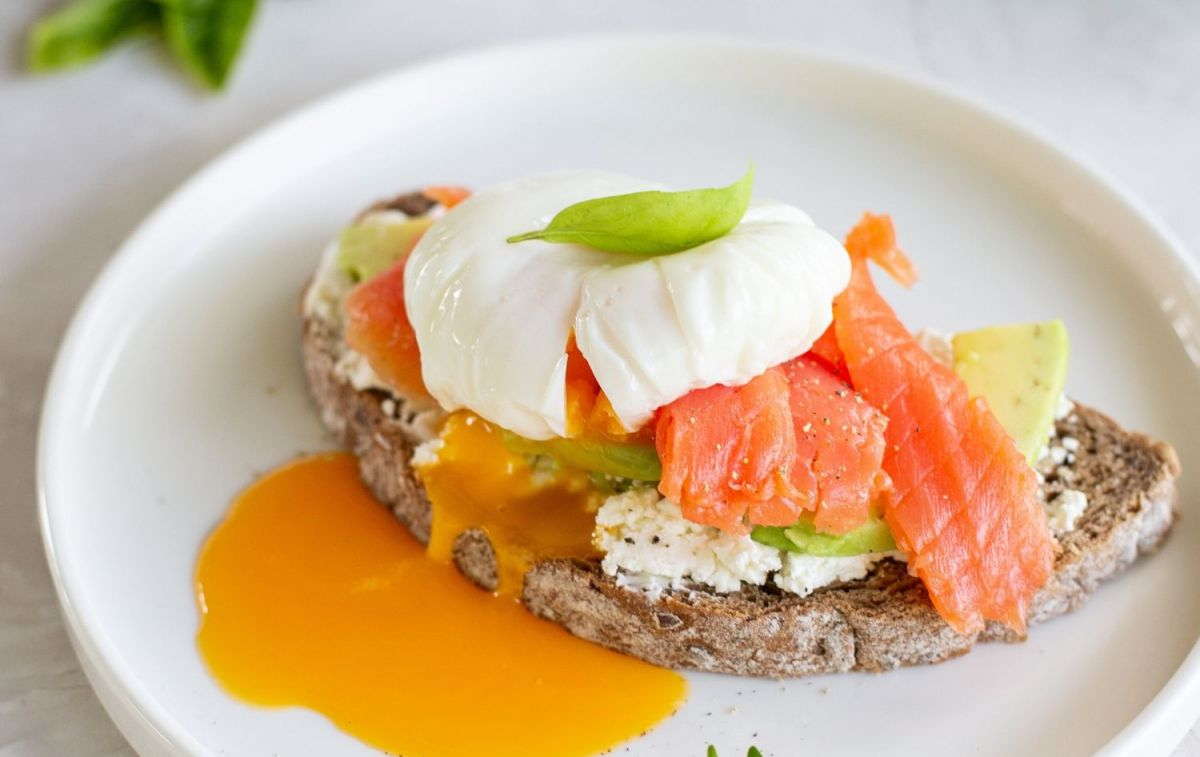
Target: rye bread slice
{"type": "Point", "coordinates": [874, 624]}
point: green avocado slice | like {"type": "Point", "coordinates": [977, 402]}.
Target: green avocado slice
{"type": "Point", "coordinates": [804, 538]}
{"type": "Point", "coordinates": [367, 249]}
{"type": "Point", "coordinates": [638, 462]}
{"type": "Point", "coordinates": [1021, 370]}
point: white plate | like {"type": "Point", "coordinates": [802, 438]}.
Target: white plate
{"type": "Point", "coordinates": [180, 378]}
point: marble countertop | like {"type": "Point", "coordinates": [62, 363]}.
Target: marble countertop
{"type": "Point", "coordinates": [84, 157]}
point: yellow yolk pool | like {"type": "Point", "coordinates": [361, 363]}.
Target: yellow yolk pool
{"type": "Point", "coordinates": [312, 595]}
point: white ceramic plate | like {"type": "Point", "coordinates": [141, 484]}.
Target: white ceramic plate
{"type": "Point", "coordinates": [180, 378]}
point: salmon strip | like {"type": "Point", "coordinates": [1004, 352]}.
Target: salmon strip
{"type": "Point", "coordinates": [727, 455]}
{"type": "Point", "coordinates": [447, 196]}
{"type": "Point", "coordinates": [843, 437]}
{"type": "Point", "coordinates": [826, 350]}
{"type": "Point", "coordinates": [795, 439]}
{"type": "Point", "coordinates": [377, 326]}
{"type": "Point", "coordinates": [964, 501]}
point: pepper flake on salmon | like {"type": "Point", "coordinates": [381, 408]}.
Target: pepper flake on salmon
{"type": "Point", "coordinates": [964, 504]}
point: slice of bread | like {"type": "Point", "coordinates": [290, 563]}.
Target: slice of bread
{"type": "Point", "coordinates": [874, 624]}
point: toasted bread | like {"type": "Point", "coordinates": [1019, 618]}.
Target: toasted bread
{"type": "Point", "coordinates": [880, 622]}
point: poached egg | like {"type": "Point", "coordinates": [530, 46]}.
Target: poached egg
{"type": "Point", "coordinates": [493, 319]}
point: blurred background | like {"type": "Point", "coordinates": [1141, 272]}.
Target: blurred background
{"type": "Point", "coordinates": [86, 154]}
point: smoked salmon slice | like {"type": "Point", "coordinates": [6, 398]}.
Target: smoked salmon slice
{"type": "Point", "coordinates": [795, 438]}
{"type": "Point", "coordinates": [377, 326]}
{"type": "Point", "coordinates": [446, 196]}
{"type": "Point", "coordinates": [842, 438]}
{"type": "Point", "coordinates": [726, 454]}
{"type": "Point", "coordinates": [964, 501]}
{"type": "Point", "coordinates": [826, 350]}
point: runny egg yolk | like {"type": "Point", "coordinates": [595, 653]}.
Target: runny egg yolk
{"type": "Point", "coordinates": [311, 594]}
{"type": "Point", "coordinates": [528, 515]}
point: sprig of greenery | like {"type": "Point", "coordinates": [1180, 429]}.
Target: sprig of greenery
{"type": "Point", "coordinates": [204, 36]}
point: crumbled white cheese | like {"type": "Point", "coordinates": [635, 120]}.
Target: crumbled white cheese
{"type": "Point", "coordinates": [937, 344]}
{"type": "Point", "coordinates": [426, 453]}
{"type": "Point", "coordinates": [642, 533]}
{"type": "Point", "coordinates": [651, 547]}
{"type": "Point", "coordinates": [804, 574]}
{"type": "Point", "coordinates": [545, 470]}
{"type": "Point", "coordinates": [1063, 511]}
{"type": "Point", "coordinates": [1055, 462]}
{"type": "Point", "coordinates": [1065, 408]}
{"type": "Point", "coordinates": [653, 586]}
{"type": "Point", "coordinates": [353, 367]}
{"type": "Point", "coordinates": [323, 298]}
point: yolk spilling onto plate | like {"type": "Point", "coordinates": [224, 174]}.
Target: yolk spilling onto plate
{"type": "Point", "coordinates": [477, 482]}
{"type": "Point", "coordinates": [310, 594]}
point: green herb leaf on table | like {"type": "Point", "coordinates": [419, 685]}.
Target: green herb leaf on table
{"type": "Point", "coordinates": [753, 752]}
{"type": "Point", "coordinates": [86, 29]}
{"type": "Point", "coordinates": [206, 35]}
{"type": "Point", "coordinates": [712, 751]}
{"type": "Point", "coordinates": [649, 223]}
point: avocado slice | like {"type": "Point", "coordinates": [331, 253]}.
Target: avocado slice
{"type": "Point", "coordinates": [638, 462]}
{"type": "Point", "coordinates": [370, 247]}
{"type": "Point", "coordinates": [1020, 369]}
{"type": "Point", "coordinates": [804, 538]}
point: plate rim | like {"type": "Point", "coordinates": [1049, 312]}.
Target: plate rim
{"type": "Point", "coordinates": [1159, 726]}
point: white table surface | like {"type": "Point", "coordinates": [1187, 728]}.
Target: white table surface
{"type": "Point", "coordinates": [84, 157]}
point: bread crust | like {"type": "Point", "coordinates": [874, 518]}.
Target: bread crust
{"type": "Point", "coordinates": [878, 623]}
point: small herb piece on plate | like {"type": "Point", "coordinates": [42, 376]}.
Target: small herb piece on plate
{"type": "Point", "coordinates": [753, 752]}
{"type": "Point", "coordinates": [649, 223]}
{"type": "Point", "coordinates": [206, 35]}
{"type": "Point", "coordinates": [86, 29]}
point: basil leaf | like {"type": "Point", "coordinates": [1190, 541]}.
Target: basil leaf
{"type": "Point", "coordinates": [206, 35]}
{"type": "Point", "coordinates": [753, 752]}
{"type": "Point", "coordinates": [86, 29]}
{"type": "Point", "coordinates": [649, 223]}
